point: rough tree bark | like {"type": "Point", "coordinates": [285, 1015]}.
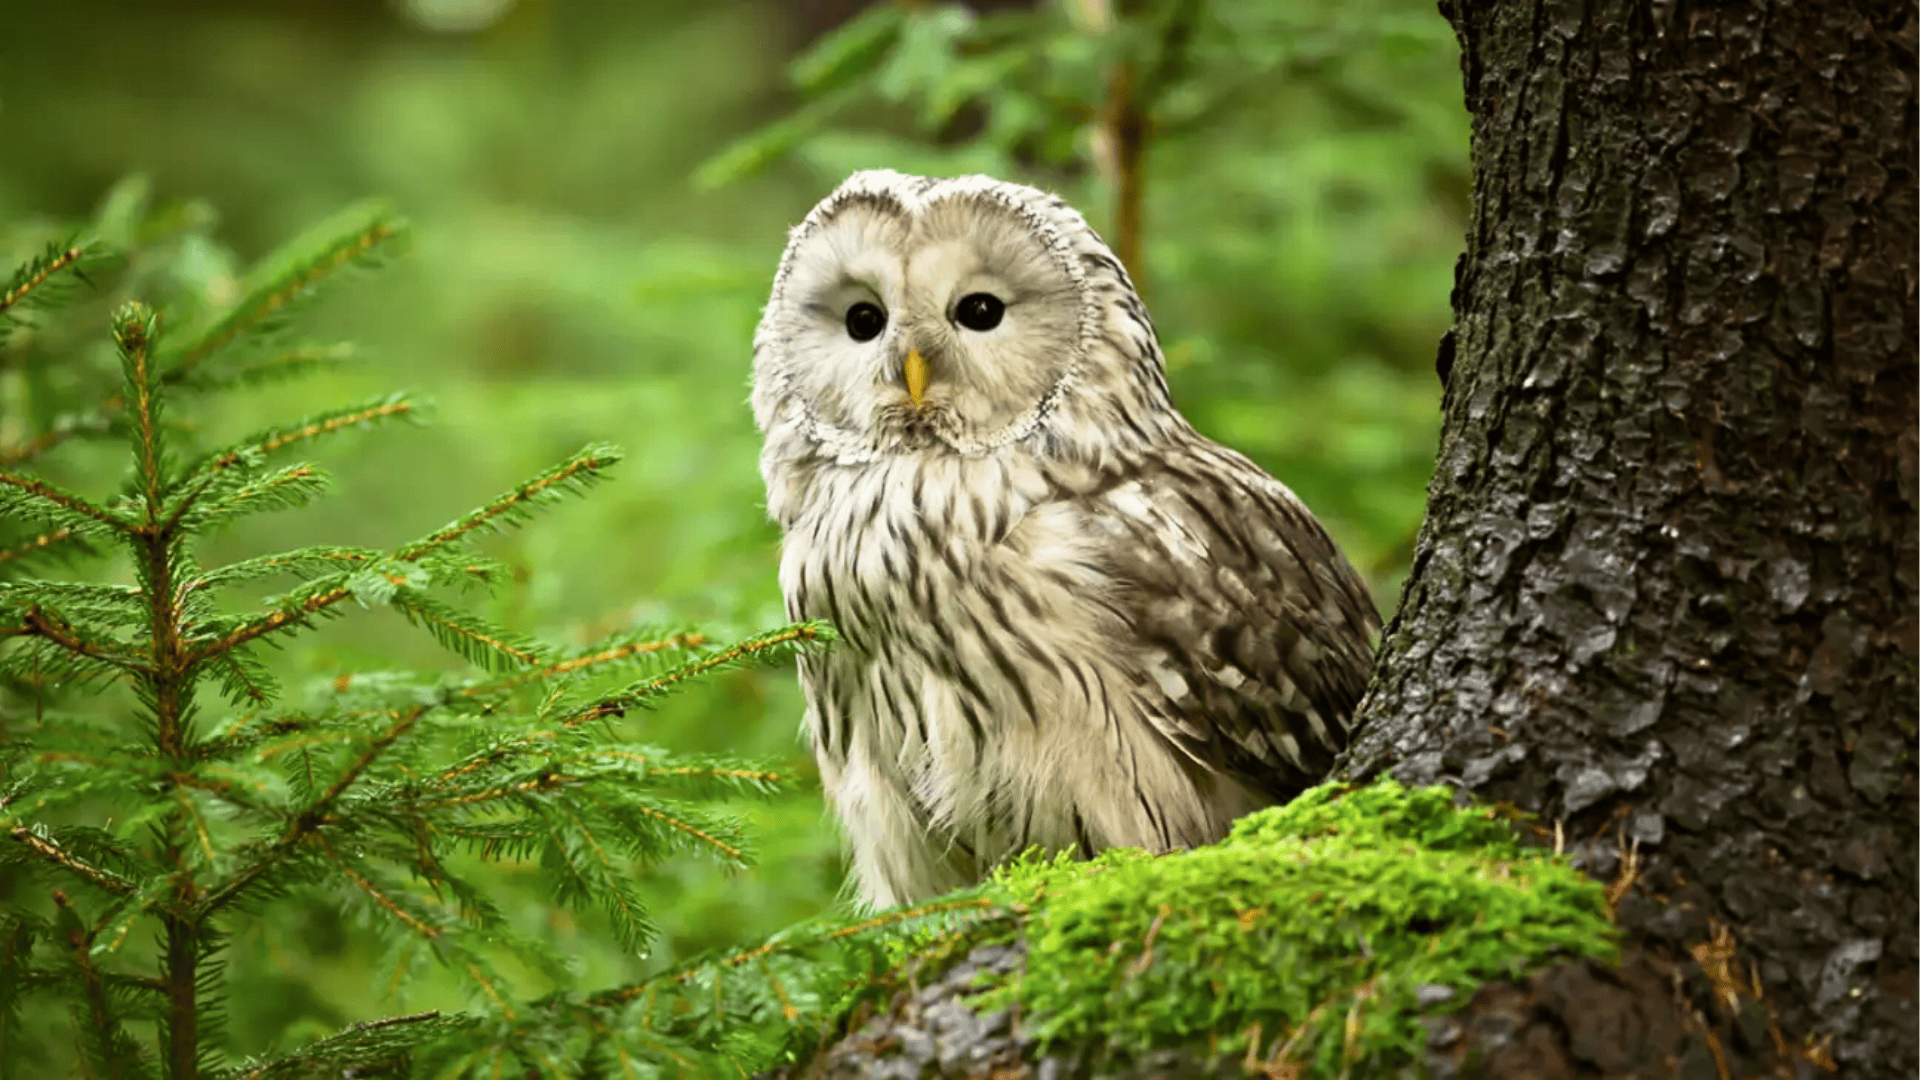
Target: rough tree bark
{"type": "Point", "coordinates": [1665, 593]}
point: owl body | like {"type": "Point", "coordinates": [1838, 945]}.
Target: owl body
{"type": "Point", "coordinates": [1066, 619]}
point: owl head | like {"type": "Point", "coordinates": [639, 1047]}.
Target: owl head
{"type": "Point", "coordinates": [953, 316]}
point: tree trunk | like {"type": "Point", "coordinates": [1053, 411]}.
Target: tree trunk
{"type": "Point", "coordinates": [1665, 593]}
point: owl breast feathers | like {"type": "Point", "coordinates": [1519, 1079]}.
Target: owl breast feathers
{"type": "Point", "coordinates": [1067, 619]}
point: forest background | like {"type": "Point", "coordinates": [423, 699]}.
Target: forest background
{"type": "Point", "coordinates": [587, 264]}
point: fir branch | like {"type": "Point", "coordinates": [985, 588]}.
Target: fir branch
{"type": "Point", "coordinates": [583, 468]}
{"type": "Point", "coordinates": [297, 561]}
{"type": "Point", "coordinates": [267, 442]}
{"type": "Point", "coordinates": [281, 490]}
{"type": "Point", "coordinates": [134, 326]}
{"type": "Point", "coordinates": [35, 545]}
{"type": "Point", "coordinates": [777, 643]}
{"type": "Point", "coordinates": [278, 620]}
{"type": "Point", "coordinates": [369, 1048]}
{"type": "Point", "coordinates": [21, 495]}
{"type": "Point", "coordinates": [308, 821]}
{"type": "Point", "coordinates": [391, 906]}
{"type": "Point", "coordinates": [796, 943]}
{"type": "Point", "coordinates": [35, 274]}
{"type": "Point", "coordinates": [693, 831]}
{"type": "Point", "coordinates": [286, 364]}
{"type": "Point", "coordinates": [46, 848]}
{"type": "Point", "coordinates": [106, 1041]}
{"type": "Point", "coordinates": [281, 287]}
{"type": "Point", "coordinates": [581, 663]}
{"type": "Point", "coordinates": [473, 639]}
{"type": "Point", "coordinates": [50, 626]}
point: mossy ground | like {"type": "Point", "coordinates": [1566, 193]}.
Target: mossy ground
{"type": "Point", "coordinates": [1300, 942]}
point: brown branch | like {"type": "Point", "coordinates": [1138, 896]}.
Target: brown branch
{"type": "Point", "coordinates": [619, 704]}
{"type": "Point", "coordinates": [65, 259]}
{"type": "Point", "coordinates": [450, 626]}
{"type": "Point", "coordinates": [41, 623]}
{"type": "Point", "coordinates": [309, 821]}
{"type": "Point", "coordinates": [567, 667]}
{"type": "Point", "coordinates": [47, 440]}
{"type": "Point", "coordinates": [508, 502]}
{"type": "Point", "coordinates": [134, 342]}
{"type": "Point", "coordinates": [313, 431]}
{"type": "Point", "coordinates": [60, 498]}
{"type": "Point", "coordinates": [276, 300]}
{"type": "Point", "coordinates": [392, 906]}
{"type": "Point", "coordinates": [38, 543]}
{"type": "Point", "coordinates": [94, 990]}
{"type": "Point", "coordinates": [241, 635]}
{"type": "Point", "coordinates": [52, 852]}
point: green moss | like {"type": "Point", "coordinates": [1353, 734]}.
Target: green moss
{"type": "Point", "coordinates": [1303, 936]}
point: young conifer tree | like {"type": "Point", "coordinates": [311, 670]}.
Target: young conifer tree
{"type": "Point", "coordinates": [142, 828]}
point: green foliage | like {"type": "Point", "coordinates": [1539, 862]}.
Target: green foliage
{"type": "Point", "coordinates": [191, 797]}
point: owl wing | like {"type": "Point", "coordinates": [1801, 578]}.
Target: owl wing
{"type": "Point", "coordinates": [1254, 634]}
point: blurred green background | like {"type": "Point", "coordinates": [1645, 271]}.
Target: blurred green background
{"type": "Point", "coordinates": [577, 276]}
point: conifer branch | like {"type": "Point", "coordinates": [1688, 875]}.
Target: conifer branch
{"type": "Point", "coordinates": [647, 689]}
{"type": "Point", "coordinates": [52, 437]}
{"type": "Point", "coordinates": [580, 663]}
{"type": "Point", "coordinates": [41, 623]}
{"type": "Point", "coordinates": [312, 605]}
{"type": "Point", "coordinates": [358, 1050]}
{"type": "Point", "coordinates": [62, 500]}
{"type": "Point", "coordinates": [104, 1036]}
{"type": "Point", "coordinates": [39, 543]}
{"type": "Point", "coordinates": [50, 850]}
{"type": "Point", "coordinates": [133, 327]}
{"type": "Point", "coordinates": [280, 440]}
{"type": "Point", "coordinates": [624, 994]}
{"type": "Point", "coordinates": [698, 834]}
{"type": "Point", "coordinates": [584, 466]}
{"type": "Point", "coordinates": [264, 306]}
{"type": "Point", "coordinates": [391, 906]}
{"type": "Point", "coordinates": [308, 821]}
{"type": "Point", "coordinates": [38, 277]}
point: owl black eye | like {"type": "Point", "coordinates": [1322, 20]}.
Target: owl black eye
{"type": "Point", "coordinates": [979, 311]}
{"type": "Point", "coordinates": [865, 321]}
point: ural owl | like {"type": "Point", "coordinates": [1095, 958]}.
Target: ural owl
{"type": "Point", "coordinates": [1066, 618]}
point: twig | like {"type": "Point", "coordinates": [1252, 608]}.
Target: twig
{"type": "Point", "coordinates": [308, 821]}
{"type": "Point", "coordinates": [61, 262]}
{"type": "Point", "coordinates": [314, 431]}
{"type": "Point", "coordinates": [62, 499]}
{"type": "Point", "coordinates": [38, 543]}
{"type": "Point", "coordinates": [567, 667]}
{"type": "Point", "coordinates": [52, 852]}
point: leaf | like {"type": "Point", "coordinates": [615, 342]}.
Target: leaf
{"type": "Point", "coordinates": [849, 52]}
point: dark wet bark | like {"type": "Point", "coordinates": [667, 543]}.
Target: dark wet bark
{"type": "Point", "coordinates": [1665, 593]}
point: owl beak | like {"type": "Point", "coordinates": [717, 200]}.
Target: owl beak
{"type": "Point", "coordinates": [917, 373]}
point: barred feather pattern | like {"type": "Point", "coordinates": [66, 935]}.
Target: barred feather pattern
{"type": "Point", "coordinates": [1067, 619]}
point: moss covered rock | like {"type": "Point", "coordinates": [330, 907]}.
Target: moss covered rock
{"type": "Point", "coordinates": [1320, 938]}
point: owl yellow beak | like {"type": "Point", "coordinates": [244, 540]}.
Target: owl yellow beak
{"type": "Point", "coordinates": [916, 373]}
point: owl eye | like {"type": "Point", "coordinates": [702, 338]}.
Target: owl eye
{"type": "Point", "coordinates": [865, 321]}
{"type": "Point", "coordinates": [979, 311]}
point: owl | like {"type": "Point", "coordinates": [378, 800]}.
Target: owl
{"type": "Point", "coordinates": [1066, 618]}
